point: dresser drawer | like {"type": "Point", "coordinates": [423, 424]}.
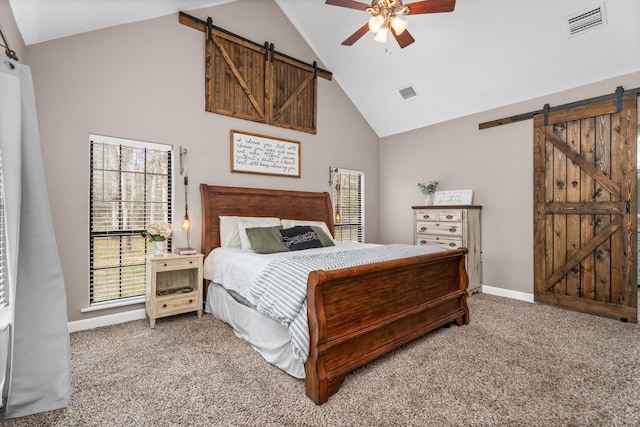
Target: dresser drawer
{"type": "Point", "coordinates": [454, 215]}
{"type": "Point", "coordinates": [181, 304]}
{"type": "Point", "coordinates": [440, 228]}
{"type": "Point", "coordinates": [176, 264]}
{"type": "Point", "coordinates": [426, 215]}
{"type": "Point", "coordinates": [441, 241]}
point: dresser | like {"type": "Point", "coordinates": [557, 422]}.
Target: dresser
{"type": "Point", "coordinates": [452, 227]}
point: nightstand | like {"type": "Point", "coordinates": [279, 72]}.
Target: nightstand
{"type": "Point", "coordinates": [174, 285]}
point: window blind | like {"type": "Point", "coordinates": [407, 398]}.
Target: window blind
{"type": "Point", "coordinates": [4, 281]}
{"type": "Point", "coordinates": [130, 189]}
{"type": "Point", "coordinates": [347, 194]}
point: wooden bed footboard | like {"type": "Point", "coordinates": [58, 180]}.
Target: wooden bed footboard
{"type": "Point", "coordinates": [361, 313]}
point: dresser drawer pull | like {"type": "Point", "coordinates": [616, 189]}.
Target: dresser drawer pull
{"type": "Point", "coordinates": [426, 216]}
{"type": "Point", "coordinates": [452, 244]}
{"type": "Point", "coordinates": [453, 229]}
{"type": "Point", "coordinates": [423, 228]}
{"type": "Point", "coordinates": [423, 242]}
{"type": "Point", "coordinates": [449, 216]}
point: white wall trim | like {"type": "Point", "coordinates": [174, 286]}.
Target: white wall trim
{"type": "Point", "coordinates": [110, 319]}
{"type": "Point", "coordinates": [522, 296]}
{"type": "Point", "coordinates": [128, 316]}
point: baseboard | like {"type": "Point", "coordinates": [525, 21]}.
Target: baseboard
{"type": "Point", "coordinates": [110, 319]}
{"type": "Point", "coordinates": [522, 296]}
{"type": "Point", "coordinates": [127, 316]}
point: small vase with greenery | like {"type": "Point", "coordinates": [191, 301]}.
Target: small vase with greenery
{"type": "Point", "coordinates": [428, 190]}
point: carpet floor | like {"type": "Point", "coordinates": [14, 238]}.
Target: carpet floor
{"type": "Point", "coordinates": [515, 364]}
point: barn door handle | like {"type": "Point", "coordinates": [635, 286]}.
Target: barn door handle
{"type": "Point", "coordinates": [628, 206]}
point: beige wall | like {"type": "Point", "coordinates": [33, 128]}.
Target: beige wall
{"type": "Point", "coordinates": [497, 163]}
{"type": "Point", "coordinates": [145, 81]}
{"type": "Point", "coordinates": [10, 31]}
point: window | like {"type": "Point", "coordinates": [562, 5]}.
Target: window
{"type": "Point", "coordinates": [347, 193]}
{"type": "Point", "coordinates": [4, 280]}
{"type": "Point", "coordinates": [130, 188]}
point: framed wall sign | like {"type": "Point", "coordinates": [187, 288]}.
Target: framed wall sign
{"type": "Point", "coordinates": [253, 153]}
{"type": "Point", "coordinates": [453, 198]}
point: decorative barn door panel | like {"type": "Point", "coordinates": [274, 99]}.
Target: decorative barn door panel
{"type": "Point", "coordinates": [235, 77]}
{"type": "Point", "coordinates": [585, 202]}
{"type": "Point", "coordinates": [254, 82]}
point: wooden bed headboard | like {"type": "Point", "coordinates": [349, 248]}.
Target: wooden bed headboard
{"type": "Point", "coordinates": [238, 201]}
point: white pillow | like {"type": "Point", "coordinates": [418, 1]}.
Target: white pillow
{"type": "Point", "coordinates": [288, 223]}
{"type": "Point", "coordinates": [230, 236]}
{"type": "Point", "coordinates": [252, 222]}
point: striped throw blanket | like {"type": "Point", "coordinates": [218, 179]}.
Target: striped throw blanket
{"type": "Point", "coordinates": [281, 289]}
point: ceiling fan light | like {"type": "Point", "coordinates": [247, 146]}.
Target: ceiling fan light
{"type": "Point", "coordinates": [399, 25]}
{"type": "Point", "coordinates": [381, 37]}
{"type": "Point", "coordinates": [375, 23]}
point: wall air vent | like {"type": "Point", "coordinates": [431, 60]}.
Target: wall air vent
{"type": "Point", "coordinates": [586, 20]}
{"type": "Point", "coordinates": [408, 92]}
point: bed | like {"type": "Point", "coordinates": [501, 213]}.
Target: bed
{"type": "Point", "coordinates": [354, 314]}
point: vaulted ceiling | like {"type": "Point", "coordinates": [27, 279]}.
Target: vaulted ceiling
{"type": "Point", "coordinates": [485, 54]}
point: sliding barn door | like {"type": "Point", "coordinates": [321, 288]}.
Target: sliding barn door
{"type": "Point", "coordinates": [586, 209]}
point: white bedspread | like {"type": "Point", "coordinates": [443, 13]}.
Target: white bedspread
{"type": "Point", "coordinates": [238, 269]}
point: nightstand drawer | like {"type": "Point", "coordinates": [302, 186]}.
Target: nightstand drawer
{"type": "Point", "coordinates": [175, 264]}
{"type": "Point", "coordinates": [176, 304]}
{"type": "Point", "coordinates": [441, 241]}
{"type": "Point", "coordinates": [440, 228]}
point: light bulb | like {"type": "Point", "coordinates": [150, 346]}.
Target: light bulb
{"type": "Point", "coordinates": [381, 37]}
{"type": "Point", "coordinates": [186, 224]}
{"type": "Point", "coordinates": [399, 25]}
{"type": "Point", "coordinates": [375, 23]}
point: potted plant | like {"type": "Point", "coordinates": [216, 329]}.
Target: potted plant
{"type": "Point", "coordinates": [429, 190]}
{"type": "Point", "coordinates": [158, 233]}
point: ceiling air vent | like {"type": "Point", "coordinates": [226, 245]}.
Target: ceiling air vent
{"type": "Point", "coordinates": [408, 92]}
{"type": "Point", "coordinates": [586, 20]}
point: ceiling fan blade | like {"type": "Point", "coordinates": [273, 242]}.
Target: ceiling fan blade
{"type": "Point", "coordinates": [431, 6]}
{"type": "Point", "coordinates": [404, 39]}
{"type": "Point", "coordinates": [348, 3]}
{"type": "Point", "coordinates": [356, 36]}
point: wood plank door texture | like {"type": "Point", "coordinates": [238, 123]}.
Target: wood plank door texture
{"type": "Point", "coordinates": [585, 208]}
{"type": "Point", "coordinates": [253, 82]}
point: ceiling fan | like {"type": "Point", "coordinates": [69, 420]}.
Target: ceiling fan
{"type": "Point", "coordinates": [385, 17]}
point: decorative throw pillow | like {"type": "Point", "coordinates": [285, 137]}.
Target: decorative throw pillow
{"type": "Point", "coordinates": [288, 223]}
{"type": "Point", "coordinates": [300, 237]}
{"type": "Point", "coordinates": [266, 240]}
{"type": "Point", "coordinates": [253, 222]}
{"type": "Point", "coordinates": [324, 237]}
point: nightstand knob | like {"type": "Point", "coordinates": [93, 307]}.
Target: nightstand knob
{"type": "Point", "coordinates": [190, 262]}
{"type": "Point", "coordinates": [164, 305]}
{"type": "Point", "coordinates": [165, 264]}
{"type": "Point", "coordinates": [190, 301]}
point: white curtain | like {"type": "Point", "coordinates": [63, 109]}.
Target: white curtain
{"type": "Point", "coordinates": [37, 376]}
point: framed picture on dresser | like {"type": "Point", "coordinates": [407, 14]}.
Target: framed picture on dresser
{"type": "Point", "coordinates": [453, 198]}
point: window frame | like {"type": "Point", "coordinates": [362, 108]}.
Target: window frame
{"type": "Point", "coordinates": [343, 205]}
{"type": "Point", "coordinates": [134, 291]}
